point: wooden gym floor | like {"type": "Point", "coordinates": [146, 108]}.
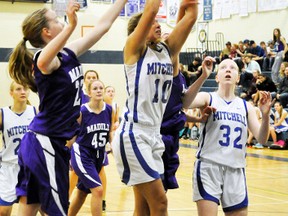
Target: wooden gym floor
{"type": "Point", "coordinates": [267, 179]}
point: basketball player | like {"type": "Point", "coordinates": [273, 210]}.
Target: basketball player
{"type": "Point", "coordinates": [88, 152]}
{"type": "Point", "coordinates": [89, 76]}
{"type": "Point", "coordinates": [108, 98]}
{"type": "Point", "coordinates": [56, 74]}
{"type": "Point", "coordinates": [174, 118]}
{"type": "Point", "coordinates": [219, 172]}
{"type": "Point", "coordinates": [148, 63]}
{"type": "Point", "coordinates": [14, 121]}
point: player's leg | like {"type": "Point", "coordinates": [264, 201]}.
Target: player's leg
{"type": "Point", "coordinates": [154, 194]}
{"type": "Point", "coordinates": [96, 200]}
{"type": "Point", "coordinates": [5, 210]}
{"type": "Point", "coordinates": [73, 179]}
{"type": "Point", "coordinates": [103, 178]}
{"type": "Point", "coordinates": [25, 209]}
{"type": "Point", "coordinates": [77, 201]}
{"type": "Point", "coordinates": [207, 208]}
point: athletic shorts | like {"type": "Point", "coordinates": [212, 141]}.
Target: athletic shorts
{"type": "Point", "coordinates": [219, 183]}
{"type": "Point", "coordinates": [87, 164]}
{"type": "Point", "coordinates": [8, 181]}
{"type": "Point", "coordinates": [137, 151]}
{"type": "Point", "coordinates": [44, 172]}
{"type": "Point", "coordinates": [170, 160]}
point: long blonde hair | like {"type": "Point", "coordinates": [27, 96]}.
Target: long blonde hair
{"type": "Point", "coordinates": [282, 71]}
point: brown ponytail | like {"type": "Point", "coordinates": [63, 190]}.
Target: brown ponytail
{"type": "Point", "coordinates": [21, 66]}
{"type": "Point", "coordinates": [21, 59]}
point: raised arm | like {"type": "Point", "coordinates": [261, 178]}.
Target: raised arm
{"type": "Point", "coordinates": [47, 61]}
{"type": "Point", "coordinates": [136, 41]}
{"type": "Point", "coordinates": [181, 31]}
{"type": "Point", "coordinates": [175, 59]}
{"type": "Point", "coordinates": [102, 26]}
{"type": "Point", "coordinates": [260, 131]}
{"type": "Point", "coordinates": [190, 94]}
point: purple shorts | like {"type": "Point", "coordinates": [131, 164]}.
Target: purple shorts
{"type": "Point", "coordinates": [44, 172]}
{"type": "Point", "coordinates": [87, 163]}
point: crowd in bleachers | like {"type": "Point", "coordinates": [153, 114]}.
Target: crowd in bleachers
{"type": "Point", "coordinates": [262, 67]}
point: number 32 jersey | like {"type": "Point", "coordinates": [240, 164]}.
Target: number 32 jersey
{"type": "Point", "coordinates": [224, 135]}
{"type": "Point", "coordinates": [95, 128]}
{"type": "Point", "coordinates": [148, 85]}
{"type": "Point", "coordinates": [14, 126]}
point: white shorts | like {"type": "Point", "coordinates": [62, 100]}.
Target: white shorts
{"type": "Point", "coordinates": [217, 183]}
{"type": "Point", "coordinates": [137, 151]}
{"type": "Point", "coordinates": [8, 181]}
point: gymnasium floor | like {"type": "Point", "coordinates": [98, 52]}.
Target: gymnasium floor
{"type": "Point", "coordinates": [267, 177]}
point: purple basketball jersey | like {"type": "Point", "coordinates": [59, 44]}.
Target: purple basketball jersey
{"type": "Point", "coordinates": [95, 128]}
{"type": "Point", "coordinates": [174, 119]}
{"type": "Point", "coordinates": [60, 97]}
{"type": "Point", "coordinates": [84, 97]}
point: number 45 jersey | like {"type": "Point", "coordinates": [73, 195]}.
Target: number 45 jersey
{"type": "Point", "coordinates": [95, 128]}
{"type": "Point", "coordinates": [14, 126]}
{"type": "Point", "coordinates": [224, 135]}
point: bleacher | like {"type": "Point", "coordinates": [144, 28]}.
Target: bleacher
{"type": "Point", "coordinates": [211, 85]}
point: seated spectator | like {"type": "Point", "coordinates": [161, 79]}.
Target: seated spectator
{"type": "Point", "coordinates": [258, 52]}
{"type": "Point", "coordinates": [280, 123]}
{"type": "Point", "coordinates": [246, 46]}
{"type": "Point", "coordinates": [251, 90]}
{"type": "Point", "coordinates": [195, 64]}
{"type": "Point", "coordinates": [282, 93]}
{"type": "Point", "coordinates": [270, 56]}
{"type": "Point", "coordinates": [226, 51]}
{"type": "Point", "coordinates": [235, 53]}
{"type": "Point", "coordinates": [282, 70]}
{"type": "Point", "coordinates": [246, 75]}
{"type": "Point", "coordinates": [241, 48]}
{"type": "Point", "coordinates": [264, 83]}
{"type": "Point", "coordinates": [185, 74]}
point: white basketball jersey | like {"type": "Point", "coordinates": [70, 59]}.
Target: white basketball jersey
{"type": "Point", "coordinates": [223, 137]}
{"type": "Point", "coordinates": [14, 126]}
{"type": "Point", "coordinates": [148, 85]}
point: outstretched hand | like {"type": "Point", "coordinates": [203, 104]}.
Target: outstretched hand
{"type": "Point", "coordinates": [206, 112]}
{"type": "Point", "coordinates": [207, 66]}
{"type": "Point", "coordinates": [265, 102]}
{"type": "Point", "coordinates": [72, 7]}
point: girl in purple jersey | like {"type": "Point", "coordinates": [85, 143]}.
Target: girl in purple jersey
{"type": "Point", "coordinates": [89, 76]}
{"type": "Point", "coordinates": [56, 74]}
{"type": "Point", "coordinates": [88, 152]}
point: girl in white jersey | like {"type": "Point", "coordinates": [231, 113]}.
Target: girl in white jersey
{"type": "Point", "coordinates": [219, 172]}
{"type": "Point", "coordinates": [137, 145]}
{"type": "Point", "coordinates": [14, 121]}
